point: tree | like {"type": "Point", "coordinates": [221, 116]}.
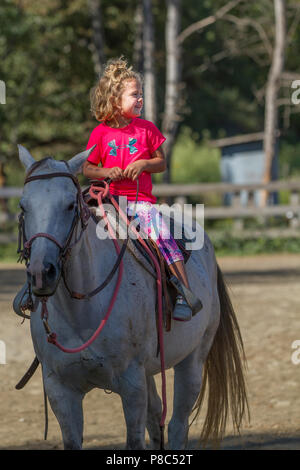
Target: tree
{"type": "Point", "coordinates": [173, 58]}
{"type": "Point", "coordinates": [138, 44]}
{"type": "Point", "coordinates": [98, 42]}
{"type": "Point", "coordinates": [272, 90]}
{"type": "Point", "coordinates": [211, 78]}
{"type": "Point", "coordinates": [174, 40]}
{"type": "Point", "coordinates": [149, 65]}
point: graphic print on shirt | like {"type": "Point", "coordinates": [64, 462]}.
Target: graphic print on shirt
{"type": "Point", "coordinates": [114, 147]}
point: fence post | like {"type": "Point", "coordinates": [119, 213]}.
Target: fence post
{"type": "Point", "coordinates": [180, 200]}
{"type": "Point", "coordinates": [294, 201]}
{"type": "Point", "coordinates": [238, 224]}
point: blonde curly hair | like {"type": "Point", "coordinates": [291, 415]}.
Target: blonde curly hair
{"type": "Point", "coordinates": [106, 94]}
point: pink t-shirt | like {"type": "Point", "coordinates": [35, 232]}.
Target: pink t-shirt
{"type": "Point", "coordinates": [119, 147]}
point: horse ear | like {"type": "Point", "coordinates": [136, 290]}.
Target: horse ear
{"type": "Point", "coordinates": [25, 157]}
{"type": "Point", "coordinates": [76, 162]}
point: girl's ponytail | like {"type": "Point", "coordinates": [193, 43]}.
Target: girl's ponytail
{"type": "Point", "coordinates": [117, 69]}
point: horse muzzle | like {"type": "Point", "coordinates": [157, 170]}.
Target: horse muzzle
{"type": "Point", "coordinates": [43, 277]}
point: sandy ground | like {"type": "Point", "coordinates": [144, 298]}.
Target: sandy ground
{"type": "Point", "coordinates": [266, 295]}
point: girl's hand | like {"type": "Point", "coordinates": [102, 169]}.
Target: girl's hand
{"type": "Point", "coordinates": [134, 169]}
{"type": "Point", "coordinates": [115, 173]}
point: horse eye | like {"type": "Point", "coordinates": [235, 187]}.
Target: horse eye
{"type": "Point", "coordinates": [71, 206]}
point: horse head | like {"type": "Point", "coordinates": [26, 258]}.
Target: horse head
{"type": "Point", "coordinates": [51, 206]}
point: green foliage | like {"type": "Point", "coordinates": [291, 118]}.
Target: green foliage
{"type": "Point", "coordinates": [226, 243]}
{"type": "Point", "coordinates": [289, 159]}
{"type": "Point", "coordinates": [47, 64]}
{"type": "Point", "coordinates": [43, 57]}
{"type": "Point", "coordinates": [8, 253]}
{"type": "Point", "coordinates": [194, 162]}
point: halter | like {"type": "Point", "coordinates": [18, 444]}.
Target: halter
{"type": "Point", "coordinates": [82, 214]}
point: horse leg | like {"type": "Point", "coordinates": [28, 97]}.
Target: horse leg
{"type": "Point", "coordinates": [66, 404]}
{"type": "Point", "coordinates": [187, 384]}
{"type": "Point", "coordinates": [153, 414]}
{"type": "Point", "coordinates": [133, 392]}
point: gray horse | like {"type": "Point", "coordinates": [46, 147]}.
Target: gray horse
{"type": "Point", "coordinates": [207, 350]}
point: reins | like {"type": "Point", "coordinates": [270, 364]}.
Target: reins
{"type": "Point", "coordinates": [51, 336]}
{"type": "Point", "coordinates": [83, 214]}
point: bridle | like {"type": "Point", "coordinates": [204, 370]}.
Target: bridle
{"type": "Point", "coordinates": [82, 214]}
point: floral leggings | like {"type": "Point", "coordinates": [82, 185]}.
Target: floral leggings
{"type": "Point", "coordinates": [153, 226]}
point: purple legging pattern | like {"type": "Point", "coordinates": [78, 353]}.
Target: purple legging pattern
{"type": "Point", "coordinates": [153, 226]}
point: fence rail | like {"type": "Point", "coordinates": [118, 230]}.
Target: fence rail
{"type": "Point", "coordinates": [200, 188]}
{"type": "Point", "coordinates": [193, 189]}
{"type": "Point", "coordinates": [236, 211]}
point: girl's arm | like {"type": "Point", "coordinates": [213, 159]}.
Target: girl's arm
{"type": "Point", "coordinates": [92, 171]}
{"type": "Point", "coordinates": [156, 164]}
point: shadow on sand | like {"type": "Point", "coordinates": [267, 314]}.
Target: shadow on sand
{"type": "Point", "coordinates": [263, 441]}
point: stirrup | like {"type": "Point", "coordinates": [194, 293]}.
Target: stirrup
{"type": "Point", "coordinates": [182, 311]}
{"type": "Point", "coordinates": [192, 301]}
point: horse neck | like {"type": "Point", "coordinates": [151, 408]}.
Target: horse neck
{"type": "Point", "coordinates": [90, 260]}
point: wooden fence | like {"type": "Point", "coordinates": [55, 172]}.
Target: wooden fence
{"type": "Point", "coordinates": [237, 211]}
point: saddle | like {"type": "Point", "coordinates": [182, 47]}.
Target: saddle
{"type": "Point", "coordinates": [170, 285]}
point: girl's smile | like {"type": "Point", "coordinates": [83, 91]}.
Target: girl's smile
{"type": "Point", "coordinates": [131, 102]}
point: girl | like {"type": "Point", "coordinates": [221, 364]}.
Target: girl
{"type": "Point", "coordinates": [129, 148]}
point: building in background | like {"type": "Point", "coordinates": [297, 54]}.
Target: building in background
{"type": "Point", "coordinates": [242, 162]}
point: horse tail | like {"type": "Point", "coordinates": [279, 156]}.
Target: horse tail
{"type": "Point", "coordinates": [223, 374]}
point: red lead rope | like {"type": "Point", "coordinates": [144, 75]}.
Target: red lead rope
{"type": "Point", "coordinates": [52, 336]}
{"type": "Point", "coordinates": [99, 193]}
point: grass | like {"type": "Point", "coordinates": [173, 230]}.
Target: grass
{"type": "Point", "coordinates": [225, 244]}
{"type": "Point", "coordinates": [228, 244]}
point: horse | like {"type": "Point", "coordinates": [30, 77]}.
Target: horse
{"type": "Point", "coordinates": [205, 352]}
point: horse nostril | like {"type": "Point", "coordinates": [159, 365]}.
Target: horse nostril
{"type": "Point", "coordinates": [50, 271]}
